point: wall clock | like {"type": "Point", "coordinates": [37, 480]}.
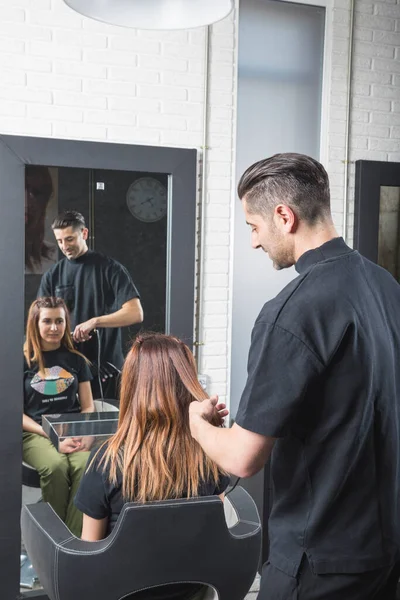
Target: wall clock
{"type": "Point", "coordinates": [147, 199]}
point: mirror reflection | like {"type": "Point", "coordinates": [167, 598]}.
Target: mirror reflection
{"type": "Point", "coordinates": [96, 257]}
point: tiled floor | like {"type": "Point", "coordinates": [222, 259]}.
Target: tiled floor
{"type": "Point", "coordinates": [252, 595]}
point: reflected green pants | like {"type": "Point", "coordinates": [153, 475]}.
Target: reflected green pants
{"type": "Point", "coordinates": [60, 475]}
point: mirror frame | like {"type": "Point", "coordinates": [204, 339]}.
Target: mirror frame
{"type": "Point", "coordinates": [16, 152]}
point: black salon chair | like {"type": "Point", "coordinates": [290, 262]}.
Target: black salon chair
{"type": "Point", "coordinates": [152, 545]}
{"type": "Point", "coordinates": [31, 479]}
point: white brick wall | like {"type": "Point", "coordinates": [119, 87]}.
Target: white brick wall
{"type": "Point", "coordinates": [63, 75]}
{"type": "Point", "coordinates": [66, 76]}
{"type": "Point", "coordinates": [375, 103]}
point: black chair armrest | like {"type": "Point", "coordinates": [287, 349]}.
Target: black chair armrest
{"type": "Point", "coordinates": [43, 532]}
{"type": "Point", "coordinates": [248, 522]}
{"type": "Point", "coordinates": [42, 517]}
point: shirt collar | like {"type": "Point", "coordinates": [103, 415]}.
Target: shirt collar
{"type": "Point", "coordinates": [335, 247]}
{"type": "Point", "coordinates": [82, 258]}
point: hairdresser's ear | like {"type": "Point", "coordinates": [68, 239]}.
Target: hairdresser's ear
{"type": "Point", "coordinates": [285, 219]}
{"type": "Point", "coordinates": [85, 233]}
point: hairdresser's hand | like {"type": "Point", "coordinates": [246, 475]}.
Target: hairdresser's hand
{"type": "Point", "coordinates": [208, 410]}
{"type": "Point", "coordinates": [83, 330]}
{"type": "Point", "coordinates": [68, 446]}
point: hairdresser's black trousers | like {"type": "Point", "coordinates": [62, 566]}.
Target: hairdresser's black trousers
{"type": "Point", "coordinates": [372, 585]}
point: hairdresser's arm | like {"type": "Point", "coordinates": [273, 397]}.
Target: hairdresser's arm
{"type": "Point", "coordinates": [93, 530]}
{"type": "Point", "coordinates": [85, 397]}
{"type": "Point", "coordinates": [236, 450]}
{"type": "Point", "coordinates": [130, 313]}
{"type": "Point", "coordinates": [31, 426]}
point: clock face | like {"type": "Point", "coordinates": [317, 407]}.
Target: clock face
{"type": "Point", "coordinates": [147, 199]}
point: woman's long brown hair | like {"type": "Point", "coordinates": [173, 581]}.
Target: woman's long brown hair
{"type": "Point", "coordinates": [153, 447]}
{"type": "Point", "coordinates": [33, 348]}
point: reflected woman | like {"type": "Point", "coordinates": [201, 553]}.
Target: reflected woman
{"type": "Point", "coordinates": [56, 380]}
{"type": "Point", "coordinates": [152, 455]}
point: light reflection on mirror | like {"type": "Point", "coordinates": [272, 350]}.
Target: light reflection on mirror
{"type": "Point", "coordinates": [41, 207]}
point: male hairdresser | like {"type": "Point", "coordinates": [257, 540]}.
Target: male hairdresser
{"type": "Point", "coordinates": [99, 293]}
{"type": "Point", "coordinates": [321, 398]}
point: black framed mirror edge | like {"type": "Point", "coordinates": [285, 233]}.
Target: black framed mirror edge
{"type": "Point", "coordinates": [15, 153]}
{"type": "Point", "coordinates": [370, 176]}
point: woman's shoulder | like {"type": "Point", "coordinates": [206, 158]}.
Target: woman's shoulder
{"type": "Point", "coordinates": [98, 465]}
{"type": "Point", "coordinates": [97, 454]}
{"type": "Point", "coordinates": [97, 459]}
{"type": "Point", "coordinates": [80, 359]}
{"type": "Point", "coordinates": [72, 358]}
{"type": "Point", "coordinates": [29, 369]}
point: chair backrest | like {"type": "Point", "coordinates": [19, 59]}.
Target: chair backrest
{"type": "Point", "coordinates": [155, 544]}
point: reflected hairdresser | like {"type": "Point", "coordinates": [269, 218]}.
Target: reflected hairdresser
{"type": "Point", "coordinates": [99, 293]}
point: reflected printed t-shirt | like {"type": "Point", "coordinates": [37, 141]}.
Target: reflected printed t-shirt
{"type": "Point", "coordinates": [55, 390]}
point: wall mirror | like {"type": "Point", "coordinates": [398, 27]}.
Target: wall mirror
{"type": "Point", "coordinates": [377, 213]}
{"type": "Point", "coordinates": [110, 185]}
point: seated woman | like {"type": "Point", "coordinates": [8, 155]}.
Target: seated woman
{"type": "Point", "coordinates": [56, 380]}
{"type": "Point", "coordinates": [152, 456]}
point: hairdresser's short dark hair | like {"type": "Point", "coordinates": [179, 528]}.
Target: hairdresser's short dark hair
{"type": "Point", "coordinates": [69, 218]}
{"type": "Point", "coordinates": [293, 179]}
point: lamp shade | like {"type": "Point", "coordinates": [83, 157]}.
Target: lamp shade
{"type": "Point", "coordinates": [154, 14]}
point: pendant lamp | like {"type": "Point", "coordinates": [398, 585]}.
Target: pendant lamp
{"type": "Point", "coordinates": [154, 14]}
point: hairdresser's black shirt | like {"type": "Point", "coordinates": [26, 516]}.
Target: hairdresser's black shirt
{"type": "Point", "coordinates": [98, 498]}
{"type": "Point", "coordinates": [324, 378]}
{"type": "Point", "coordinates": [92, 285]}
{"type": "Point", "coordinates": [55, 390]}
